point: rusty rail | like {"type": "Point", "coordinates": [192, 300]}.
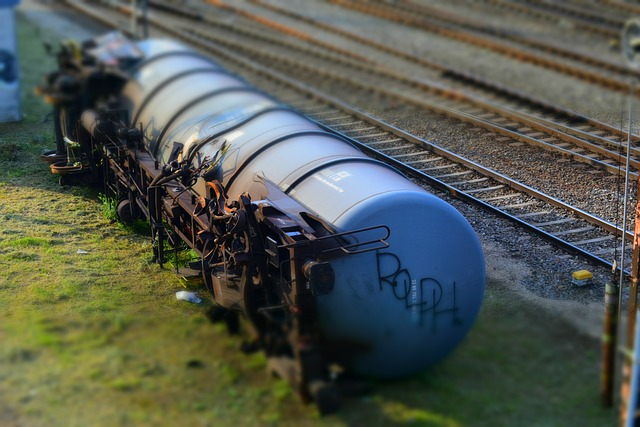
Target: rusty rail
{"type": "Point", "coordinates": [606, 30]}
{"type": "Point", "coordinates": [539, 133]}
{"type": "Point", "coordinates": [510, 50]}
{"type": "Point", "coordinates": [447, 71]}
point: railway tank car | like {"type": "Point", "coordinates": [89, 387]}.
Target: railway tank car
{"type": "Point", "coordinates": [336, 259]}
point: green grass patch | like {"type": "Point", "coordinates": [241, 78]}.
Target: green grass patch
{"type": "Point", "coordinates": [109, 207]}
{"type": "Point", "coordinates": [26, 241]}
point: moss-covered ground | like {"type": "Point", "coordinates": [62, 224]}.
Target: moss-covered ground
{"type": "Point", "coordinates": [98, 338]}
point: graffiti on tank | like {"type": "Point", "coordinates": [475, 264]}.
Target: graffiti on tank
{"type": "Point", "coordinates": [423, 296]}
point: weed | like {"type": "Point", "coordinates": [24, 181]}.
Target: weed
{"type": "Point", "coordinates": [26, 241]}
{"type": "Point", "coordinates": [200, 406]}
{"type": "Point", "coordinates": [401, 414]}
{"type": "Point", "coordinates": [140, 227]}
{"type": "Point", "coordinates": [229, 374]}
{"type": "Point", "coordinates": [256, 360]}
{"type": "Point", "coordinates": [109, 207]}
{"type": "Point", "coordinates": [125, 384]}
{"type": "Point", "coordinates": [271, 418]}
{"type": "Point", "coordinates": [281, 389]}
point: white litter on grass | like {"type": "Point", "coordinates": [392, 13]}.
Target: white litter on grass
{"type": "Point", "coordinates": [82, 252]}
{"type": "Point", "coordinates": [188, 296]}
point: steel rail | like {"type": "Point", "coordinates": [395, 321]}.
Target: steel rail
{"type": "Point", "coordinates": [434, 182]}
{"type": "Point", "coordinates": [163, 5]}
{"type": "Point", "coordinates": [627, 8]}
{"type": "Point", "coordinates": [525, 9]}
{"type": "Point", "coordinates": [522, 119]}
{"type": "Point", "coordinates": [510, 50]}
{"type": "Point", "coordinates": [458, 113]}
{"type": "Point", "coordinates": [539, 126]}
{"type": "Point", "coordinates": [507, 131]}
{"type": "Point", "coordinates": [451, 73]}
{"type": "Point", "coordinates": [260, 69]}
{"type": "Point", "coordinates": [582, 13]}
{"type": "Point", "coordinates": [432, 14]}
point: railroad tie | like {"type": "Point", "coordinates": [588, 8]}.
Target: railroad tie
{"type": "Point", "coordinates": [531, 214]}
{"type": "Point", "coordinates": [386, 141]}
{"type": "Point", "coordinates": [520, 205]}
{"type": "Point", "coordinates": [470, 181]}
{"type": "Point", "coordinates": [594, 240]}
{"type": "Point", "coordinates": [426, 170]}
{"type": "Point", "coordinates": [402, 147]}
{"type": "Point", "coordinates": [558, 221]}
{"type": "Point", "coordinates": [375, 135]}
{"type": "Point", "coordinates": [454, 174]}
{"type": "Point", "coordinates": [433, 159]}
{"type": "Point", "coordinates": [486, 189]}
{"type": "Point", "coordinates": [604, 251]}
{"type": "Point", "coordinates": [502, 197]}
{"type": "Point", "coordinates": [573, 231]}
{"type": "Point", "coordinates": [420, 153]}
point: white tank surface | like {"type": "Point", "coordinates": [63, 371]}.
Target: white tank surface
{"type": "Point", "coordinates": [392, 312]}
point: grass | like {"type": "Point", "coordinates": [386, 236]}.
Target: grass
{"type": "Point", "coordinates": [98, 338]}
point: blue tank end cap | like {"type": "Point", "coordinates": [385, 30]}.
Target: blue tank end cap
{"type": "Point", "coordinates": [9, 3]}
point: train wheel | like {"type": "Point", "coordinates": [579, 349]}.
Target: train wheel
{"type": "Point", "coordinates": [128, 212]}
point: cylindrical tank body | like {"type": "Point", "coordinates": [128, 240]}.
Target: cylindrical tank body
{"type": "Point", "coordinates": [393, 311]}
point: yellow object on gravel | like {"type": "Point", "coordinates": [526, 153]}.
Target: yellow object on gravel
{"type": "Point", "coordinates": [581, 277]}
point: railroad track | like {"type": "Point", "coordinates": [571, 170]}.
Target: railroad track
{"type": "Point", "coordinates": [561, 131]}
{"type": "Point", "coordinates": [610, 74]}
{"type": "Point", "coordinates": [475, 83]}
{"type": "Point", "coordinates": [601, 16]}
{"type": "Point", "coordinates": [562, 9]}
{"type": "Point", "coordinates": [573, 229]}
{"type": "Point", "coordinates": [549, 116]}
{"type": "Point", "coordinates": [624, 9]}
{"type": "Point", "coordinates": [608, 27]}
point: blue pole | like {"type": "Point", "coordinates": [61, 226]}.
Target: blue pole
{"type": "Point", "coordinates": [9, 76]}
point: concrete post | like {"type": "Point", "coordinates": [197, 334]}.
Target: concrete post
{"type": "Point", "coordinates": [9, 76]}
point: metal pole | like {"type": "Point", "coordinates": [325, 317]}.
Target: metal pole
{"type": "Point", "coordinates": [626, 197]}
{"type": "Point", "coordinates": [625, 391]}
{"type": "Point", "coordinates": [631, 307]}
{"type": "Point", "coordinates": [609, 338]}
{"type": "Point", "coordinates": [631, 53]}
